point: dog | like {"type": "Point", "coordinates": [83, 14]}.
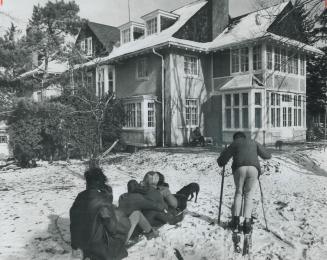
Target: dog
{"type": "Point", "coordinates": [279, 144]}
{"type": "Point", "coordinates": [189, 190]}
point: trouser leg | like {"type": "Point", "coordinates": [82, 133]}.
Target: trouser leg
{"type": "Point", "coordinates": [249, 186]}
{"type": "Point", "coordinates": [137, 218]}
{"type": "Point", "coordinates": [239, 178]}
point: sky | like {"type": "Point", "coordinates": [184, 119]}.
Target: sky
{"type": "Point", "coordinates": [112, 12]}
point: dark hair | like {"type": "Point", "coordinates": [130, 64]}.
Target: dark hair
{"type": "Point", "coordinates": [239, 135]}
{"type": "Point", "coordinates": [95, 176]}
{"type": "Point", "coordinates": [161, 179]}
{"type": "Point", "coordinates": [132, 186]}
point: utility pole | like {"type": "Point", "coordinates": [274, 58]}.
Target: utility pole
{"type": "Point", "coordinates": [129, 11]}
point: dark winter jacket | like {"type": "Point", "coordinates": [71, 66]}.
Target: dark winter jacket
{"type": "Point", "coordinates": [245, 152]}
{"type": "Point", "coordinates": [129, 202]}
{"type": "Point", "coordinates": [155, 195]}
{"type": "Point", "coordinates": [94, 227]}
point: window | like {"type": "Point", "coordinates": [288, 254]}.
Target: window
{"type": "Point", "coordinates": [151, 26]}
{"type": "Point", "coordinates": [89, 81]}
{"type": "Point", "coordinates": [235, 61]}
{"type": "Point", "coordinates": [244, 59]}
{"type": "Point", "coordinates": [151, 114]}
{"type": "Point", "coordinates": [228, 110]}
{"type": "Point", "coordinates": [245, 110]}
{"type": "Point", "coordinates": [258, 110]}
{"type": "Point", "coordinates": [126, 35]}
{"type": "Point", "coordinates": [82, 43]}
{"type": "Point", "coordinates": [278, 117]}
{"type": "Point", "coordinates": [257, 60]}
{"type": "Point", "coordinates": [295, 117]}
{"type": "Point", "coordinates": [302, 65]}
{"type": "Point", "coordinates": [299, 102]}
{"type": "Point", "coordinates": [295, 64]}
{"type": "Point", "coordinates": [275, 110]}
{"type": "Point", "coordinates": [133, 115]}
{"type": "Point", "coordinates": [289, 116]}
{"type": "Point", "coordinates": [283, 60]}
{"type": "Point", "coordinates": [236, 98]}
{"type": "Point", "coordinates": [142, 68]}
{"type": "Point", "coordinates": [89, 47]}
{"type": "Point", "coordinates": [284, 117]}
{"type": "Point", "coordinates": [191, 65]}
{"type": "Point", "coordinates": [277, 59]}
{"type": "Point", "coordinates": [111, 79]}
{"type": "Point", "coordinates": [269, 58]}
{"type": "Point", "coordinates": [192, 112]}
{"type": "Point", "coordinates": [101, 90]}
{"type": "Point", "coordinates": [3, 139]}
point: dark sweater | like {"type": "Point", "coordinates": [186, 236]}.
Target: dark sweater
{"type": "Point", "coordinates": [245, 152]}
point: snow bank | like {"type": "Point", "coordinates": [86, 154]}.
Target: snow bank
{"type": "Point", "coordinates": [35, 205]}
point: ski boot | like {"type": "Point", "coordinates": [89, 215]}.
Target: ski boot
{"type": "Point", "coordinates": [247, 229]}
{"type": "Point", "coordinates": [236, 236]}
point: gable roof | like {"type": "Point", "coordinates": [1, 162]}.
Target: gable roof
{"type": "Point", "coordinates": [253, 26]}
{"type": "Point", "coordinates": [107, 35]}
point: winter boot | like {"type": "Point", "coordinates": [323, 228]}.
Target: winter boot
{"type": "Point", "coordinates": [247, 226]}
{"type": "Point", "coordinates": [235, 223]}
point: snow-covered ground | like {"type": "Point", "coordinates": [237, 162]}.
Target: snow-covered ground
{"type": "Point", "coordinates": [34, 205]}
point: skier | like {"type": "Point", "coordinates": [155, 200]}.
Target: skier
{"type": "Point", "coordinates": [246, 170]}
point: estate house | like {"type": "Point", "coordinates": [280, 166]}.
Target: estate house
{"type": "Point", "coordinates": [198, 67]}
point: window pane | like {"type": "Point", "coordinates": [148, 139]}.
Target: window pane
{"type": "Point", "coordinates": [300, 117]}
{"type": "Point", "coordinates": [139, 115]}
{"type": "Point", "coordinates": [245, 99]}
{"type": "Point", "coordinates": [244, 59]}
{"type": "Point", "coordinates": [258, 118]}
{"type": "Point", "coordinates": [191, 65]}
{"type": "Point", "coordinates": [283, 60]}
{"type": "Point", "coordinates": [278, 117]}
{"type": "Point", "coordinates": [257, 99]}
{"type": "Point", "coordinates": [277, 59]}
{"type": "Point", "coordinates": [284, 117]}
{"type": "Point", "coordinates": [236, 118]}
{"type": "Point", "coordinates": [228, 101]}
{"type": "Point", "coordinates": [289, 116]}
{"type": "Point", "coordinates": [151, 26]}
{"type": "Point", "coordinates": [257, 57]}
{"type": "Point", "coordinates": [236, 100]}
{"type": "Point", "coordinates": [245, 117]}
{"type": "Point", "coordinates": [235, 61]}
{"type": "Point", "coordinates": [151, 113]}
{"type": "Point", "coordinates": [295, 117]}
{"type": "Point", "coordinates": [192, 112]}
{"type": "Point", "coordinates": [273, 95]}
{"type": "Point", "coordinates": [3, 139]}
{"type": "Point", "coordinates": [273, 122]}
{"type": "Point", "coordinates": [228, 118]}
{"type": "Point", "coordinates": [269, 57]}
{"type": "Point", "coordinates": [278, 100]}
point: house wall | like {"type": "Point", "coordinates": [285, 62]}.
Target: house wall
{"type": "Point", "coordinates": [179, 87]}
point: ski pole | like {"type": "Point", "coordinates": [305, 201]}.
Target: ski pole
{"type": "Point", "coordinates": [221, 194]}
{"type": "Point", "coordinates": [262, 203]}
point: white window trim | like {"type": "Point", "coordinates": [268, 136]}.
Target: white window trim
{"type": "Point", "coordinates": [198, 113]}
{"type": "Point", "coordinates": [146, 114]}
{"type": "Point", "coordinates": [240, 107]}
{"type": "Point", "coordinates": [197, 66]}
{"type": "Point", "coordinates": [157, 28]}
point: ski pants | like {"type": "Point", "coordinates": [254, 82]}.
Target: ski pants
{"type": "Point", "coordinates": [245, 178]}
{"type": "Point", "coordinates": [137, 218]}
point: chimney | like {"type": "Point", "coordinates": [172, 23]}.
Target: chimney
{"type": "Point", "coordinates": [220, 16]}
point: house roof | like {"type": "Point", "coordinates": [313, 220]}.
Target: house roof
{"type": "Point", "coordinates": [107, 35]}
{"type": "Point", "coordinates": [242, 82]}
{"type": "Point", "coordinates": [54, 67]}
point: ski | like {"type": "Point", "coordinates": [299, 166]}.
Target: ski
{"type": "Point", "coordinates": [236, 237]}
{"type": "Point", "coordinates": [247, 244]}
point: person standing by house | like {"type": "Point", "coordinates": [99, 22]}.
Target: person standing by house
{"type": "Point", "coordinates": [197, 137]}
{"type": "Point", "coordinates": [246, 170]}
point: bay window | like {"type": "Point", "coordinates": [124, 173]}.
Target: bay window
{"type": "Point", "coordinates": [236, 110]}
{"type": "Point", "coordinates": [133, 113]}
{"type": "Point", "coordinates": [192, 112]}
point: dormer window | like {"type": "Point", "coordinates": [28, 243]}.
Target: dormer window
{"type": "Point", "coordinates": [86, 46]}
{"type": "Point", "coordinates": [130, 32]}
{"type": "Point", "coordinates": [158, 20]}
{"type": "Point", "coordinates": [126, 35]}
{"type": "Point", "coordinates": [152, 26]}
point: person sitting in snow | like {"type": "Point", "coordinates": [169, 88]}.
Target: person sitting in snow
{"type": "Point", "coordinates": [133, 201]}
{"type": "Point", "coordinates": [98, 228]}
{"type": "Point", "coordinates": [246, 169]}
